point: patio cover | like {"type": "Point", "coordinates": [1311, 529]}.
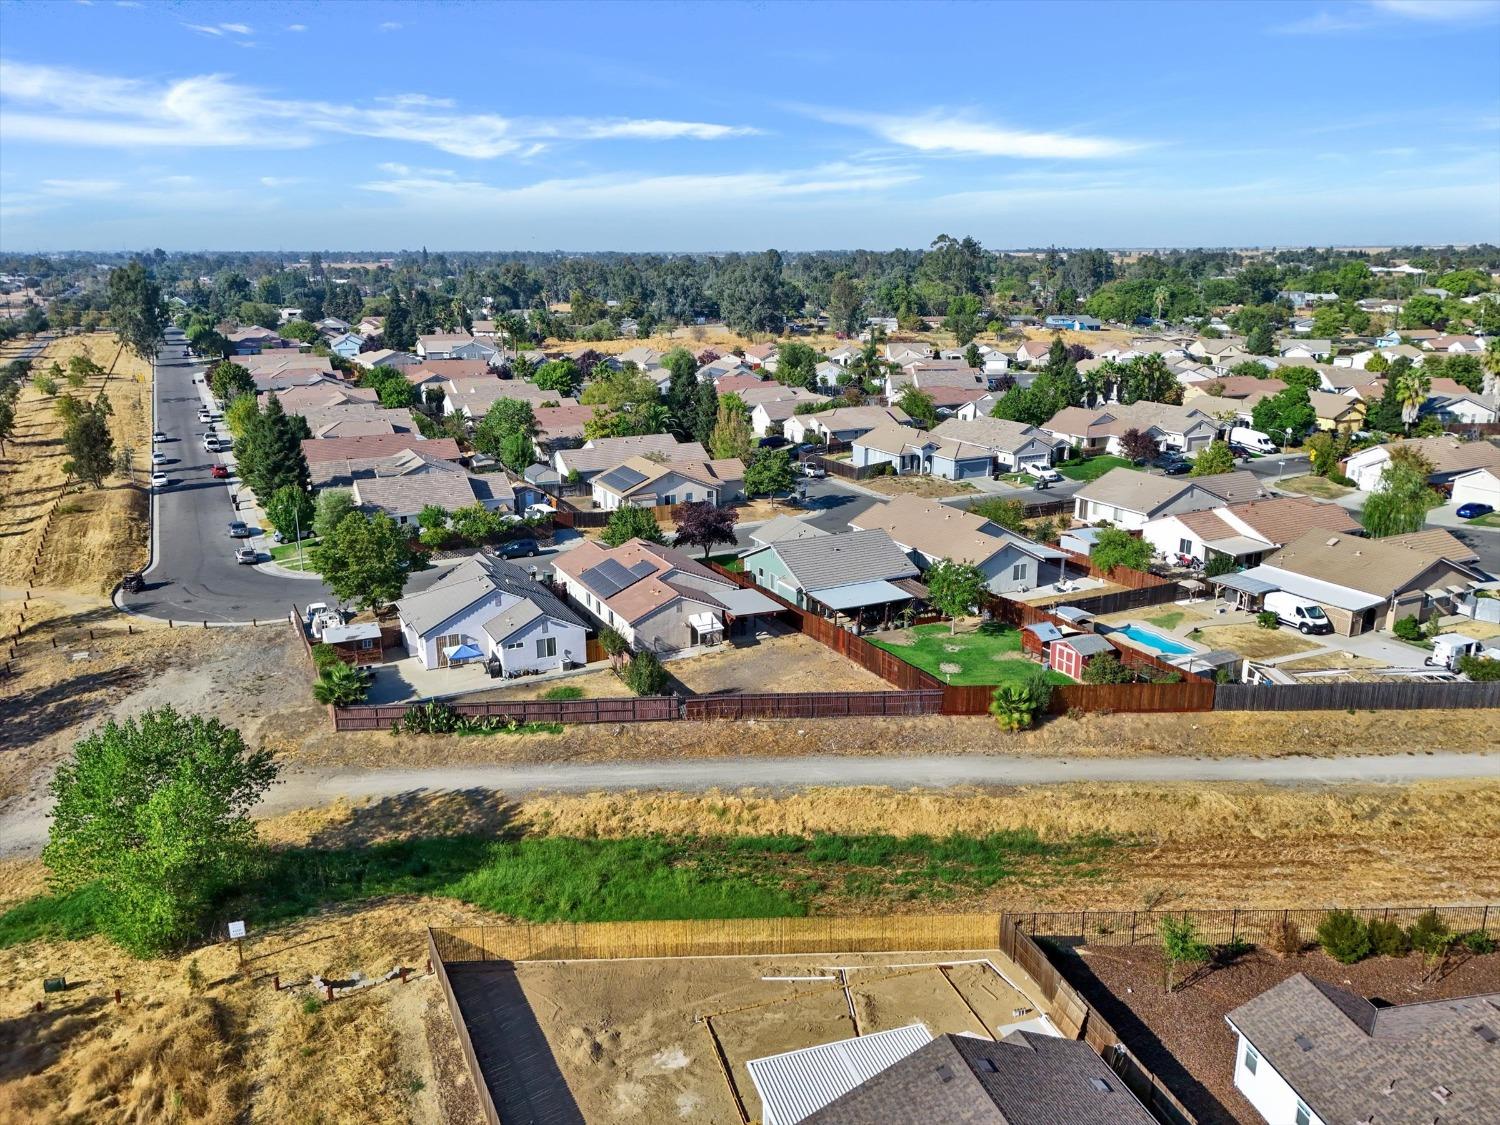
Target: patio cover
{"type": "Point", "coordinates": [1242, 582]}
{"type": "Point", "coordinates": [462, 652]}
{"type": "Point", "coordinates": [744, 602]}
{"type": "Point", "coordinates": [706, 623]}
{"type": "Point", "coordinates": [1314, 589]}
{"type": "Point", "coordinates": [1238, 546]}
{"type": "Point", "coordinates": [859, 594]}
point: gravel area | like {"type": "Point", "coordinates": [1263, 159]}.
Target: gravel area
{"type": "Point", "coordinates": [1182, 1036]}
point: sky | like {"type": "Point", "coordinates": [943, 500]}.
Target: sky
{"type": "Point", "coordinates": [131, 124]}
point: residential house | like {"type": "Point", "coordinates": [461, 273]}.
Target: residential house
{"type": "Point", "coordinates": [828, 375]}
{"type": "Point", "coordinates": [930, 531]}
{"type": "Point", "coordinates": [1305, 349]}
{"type": "Point", "coordinates": [1309, 1051]}
{"type": "Point", "coordinates": [473, 397]}
{"type": "Point", "coordinates": [1368, 584]}
{"type": "Point", "coordinates": [251, 340]}
{"type": "Point", "coordinates": [455, 346]}
{"type": "Point", "coordinates": [643, 357]}
{"type": "Point", "coordinates": [281, 377]}
{"type": "Point", "coordinates": [934, 375]}
{"type": "Point", "coordinates": [561, 427]}
{"type": "Point", "coordinates": [485, 608]}
{"type": "Point", "coordinates": [1461, 407]}
{"type": "Point", "coordinates": [339, 462]}
{"type": "Point", "coordinates": [860, 575]}
{"type": "Point", "coordinates": [643, 482]}
{"type": "Point", "coordinates": [770, 416]}
{"type": "Point", "coordinates": [842, 423]}
{"type": "Point", "coordinates": [1302, 299]}
{"type": "Point", "coordinates": [1478, 486]}
{"type": "Point", "coordinates": [656, 597]}
{"type": "Point", "coordinates": [1092, 430]}
{"type": "Point", "coordinates": [1223, 352]}
{"type": "Point", "coordinates": [385, 357]}
{"type": "Point", "coordinates": [770, 391]}
{"type": "Point", "coordinates": [1026, 1077]}
{"type": "Point", "coordinates": [1337, 413]}
{"type": "Point", "coordinates": [1011, 445]}
{"type": "Point", "coordinates": [1075, 322]}
{"type": "Point", "coordinates": [484, 329]}
{"type": "Point", "coordinates": [844, 354]}
{"type": "Point", "coordinates": [1033, 351]}
{"type": "Point", "coordinates": [913, 451]}
{"type": "Point", "coordinates": [346, 345]}
{"type": "Point", "coordinates": [594, 457]}
{"type": "Point", "coordinates": [777, 528]}
{"type": "Point", "coordinates": [1455, 344]}
{"type": "Point", "coordinates": [1246, 532]}
{"type": "Point", "coordinates": [902, 353]}
{"type": "Point", "coordinates": [326, 394]}
{"type": "Point", "coordinates": [370, 326]}
{"type": "Point", "coordinates": [1448, 456]}
{"type": "Point", "coordinates": [331, 326]}
{"type": "Point", "coordinates": [757, 355]}
{"type": "Point", "coordinates": [414, 480]}
{"type": "Point", "coordinates": [1130, 500]}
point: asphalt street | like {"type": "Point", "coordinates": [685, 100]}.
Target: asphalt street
{"type": "Point", "coordinates": [193, 574]}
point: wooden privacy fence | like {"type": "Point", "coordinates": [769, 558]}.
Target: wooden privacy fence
{"type": "Point", "coordinates": [1387, 696]}
{"type": "Point", "coordinates": [813, 705]}
{"type": "Point", "coordinates": [644, 709]}
{"type": "Point", "coordinates": [1130, 927]}
{"type": "Point", "coordinates": [1196, 695]}
{"type": "Point", "coordinates": [1076, 1017]}
{"type": "Point", "coordinates": [465, 1043]}
{"type": "Point", "coordinates": [717, 937]}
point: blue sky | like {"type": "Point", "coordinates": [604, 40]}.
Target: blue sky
{"type": "Point", "coordinates": [723, 126]}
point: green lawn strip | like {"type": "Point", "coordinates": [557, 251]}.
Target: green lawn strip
{"type": "Point", "coordinates": [285, 556]}
{"type": "Point", "coordinates": [1490, 520]}
{"type": "Point", "coordinates": [1167, 620]}
{"type": "Point", "coordinates": [637, 878]}
{"type": "Point", "coordinates": [990, 654]}
{"type": "Point", "coordinates": [1092, 468]}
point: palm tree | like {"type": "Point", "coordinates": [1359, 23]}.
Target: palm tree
{"type": "Point", "coordinates": [1411, 392]}
{"type": "Point", "coordinates": [1160, 298]}
{"type": "Point", "coordinates": [340, 684]}
{"type": "Point", "coordinates": [1490, 362]}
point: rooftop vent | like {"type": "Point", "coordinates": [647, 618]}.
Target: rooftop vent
{"type": "Point", "coordinates": [1303, 1041]}
{"type": "Point", "coordinates": [988, 1065]}
{"type": "Point", "coordinates": [1441, 1093]}
{"type": "Point", "coordinates": [1486, 1032]}
{"type": "Point", "coordinates": [1099, 1084]}
{"type": "Point", "coordinates": [944, 1073]}
{"type": "Point", "coordinates": [1390, 1088]}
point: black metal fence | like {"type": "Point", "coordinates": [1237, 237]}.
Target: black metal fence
{"type": "Point", "coordinates": [1384, 696]}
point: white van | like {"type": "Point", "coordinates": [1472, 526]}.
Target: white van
{"type": "Point", "coordinates": [1253, 440]}
{"type": "Point", "coordinates": [1301, 614]}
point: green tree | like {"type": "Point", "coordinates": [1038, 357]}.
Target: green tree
{"type": "Point", "coordinates": [963, 317]}
{"type": "Point", "coordinates": [954, 587]}
{"type": "Point", "coordinates": [1216, 458]}
{"type": "Point", "coordinates": [560, 375]}
{"type": "Point", "coordinates": [91, 449]}
{"type": "Point", "coordinates": [630, 402]}
{"type": "Point", "coordinates": [300, 330]}
{"type": "Point", "coordinates": [1180, 945]}
{"type": "Point", "coordinates": [7, 420]}
{"type": "Point", "coordinates": [919, 406]}
{"type": "Point", "coordinates": [1377, 363]}
{"type": "Point", "coordinates": [340, 685]}
{"type": "Point", "coordinates": [629, 522]}
{"type": "Point", "coordinates": [796, 364]}
{"type": "Point", "coordinates": [270, 455]}
{"type": "Point", "coordinates": [517, 451]}
{"type": "Point", "coordinates": [1400, 502]}
{"type": "Point", "coordinates": [1411, 388]}
{"type": "Point", "coordinates": [731, 435]}
{"type": "Point", "coordinates": [1259, 341]}
{"type": "Point", "coordinates": [332, 505]}
{"type": "Point", "coordinates": [156, 811]}
{"type": "Point", "coordinates": [1325, 450]}
{"type": "Point", "coordinates": [364, 559]}
{"type": "Point", "coordinates": [504, 420]}
{"type": "Point", "coordinates": [136, 310]}
{"type": "Point", "coordinates": [843, 305]}
{"type": "Point", "coordinates": [1009, 514]}
{"type": "Point", "coordinates": [682, 387]}
{"type": "Point", "coordinates": [705, 414]}
{"type": "Point", "coordinates": [1106, 669]}
{"type": "Point", "coordinates": [289, 510]}
{"type": "Point", "coordinates": [769, 472]}
{"type": "Point", "coordinates": [240, 414]}
{"type": "Point", "coordinates": [1289, 409]}
{"type": "Point", "coordinates": [228, 380]}
{"type": "Point", "coordinates": [1116, 547]}
{"type": "Point", "coordinates": [644, 675]}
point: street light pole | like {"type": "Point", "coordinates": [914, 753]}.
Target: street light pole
{"type": "Point", "coordinates": [1281, 468]}
{"type": "Point", "coordinates": [297, 521]}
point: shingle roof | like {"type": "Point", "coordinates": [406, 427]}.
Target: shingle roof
{"type": "Point", "coordinates": [1024, 1079]}
{"type": "Point", "coordinates": [992, 433]}
{"type": "Point", "coordinates": [895, 439]}
{"type": "Point", "coordinates": [1350, 1061]}
{"type": "Point", "coordinates": [857, 419]}
{"type": "Point", "coordinates": [823, 562]}
{"type": "Point", "coordinates": [1371, 566]}
{"type": "Point", "coordinates": [606, 453]}
{"type": "Point", "coordinates": [376, 447]}
{"type": "Point", "coordinates": [659, 575]}
{"type": "Point", "coordinates": [473, 580]}
{"type": "Point", "coordinates": [942, 531]}
{"type": "Point", "coordinates": [1281, 519]}
{"type": "Point", "coordinates": [785, 527]}
{"type": "Point", "coordinates": [1449, 455]}
{"type": "Point", "coordinates": [414, 481]}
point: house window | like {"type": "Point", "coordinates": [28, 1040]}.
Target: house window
{"type": "Point", "coordinates": [688, 496]}
{"type": "Point", "coordinates": [1252, 1060]}
{"type": "Point", "coordinates": [1304, 1115]}
{"type": "Point", "coordinates": [1185, 547]}
{"type": "Point", "coordinates": [545, 647]}
{"type": "Point", "coordinates": [671, 498]}
{"type": "Point", "coordinates": [366, 645]}
{"type": "Point", "coordinates": [514, 646]}
{"type": "Point", "coordinates": [1018, 572]}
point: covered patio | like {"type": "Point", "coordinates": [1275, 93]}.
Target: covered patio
{"type": "Point", "coordinates": [866, 605]}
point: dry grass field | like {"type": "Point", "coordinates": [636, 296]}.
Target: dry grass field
{"type": "Point", "coordinates": [1252, 641]}
{"type": "Point", "coordinates": [93, 535]}
{"type": "Point", "coordinates": [933, 488]}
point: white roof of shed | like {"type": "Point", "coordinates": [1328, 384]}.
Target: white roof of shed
{"type": "Point", "coordinates": [796, 1084]}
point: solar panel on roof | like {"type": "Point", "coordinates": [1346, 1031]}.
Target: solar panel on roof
{"type": "Point", "coordinates": [622, 478]}
{"type": "Point", "coordinates": [610, 577]}
{"type": "Point", "coordinates": [642, 569]}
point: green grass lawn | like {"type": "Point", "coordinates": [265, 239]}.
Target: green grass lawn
{"type": "Point", "coordinates": [285, 556]}
{"type": "Point", "coordinates": [590, 880]}
{"type": "Point", "coordinates": [1092, 468]}
{"type": "Point", "coordinates": [1491, 520]}
{"type": "Point", "coordinates": [1168, 620]}
{"type": "Point", "coordinates": [990, 654]}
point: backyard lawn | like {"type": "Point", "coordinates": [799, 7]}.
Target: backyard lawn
{"type": "Point", "coordinates": [989, 654]}
{"type": "Point", "coordinates": [1092, 468]}
{"type": "Point", "coordinates": [285, 556]}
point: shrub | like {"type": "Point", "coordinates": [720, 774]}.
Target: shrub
{"type": "Point", "coordinates": [311, 1005]}
{"type": "Point", "coordinates": [1267, 619]}
{"type": "Point", "coordinates": [1430, 935]}
{"type": "Point", "coordinates": [644, 675]}
{"type": "Point", "coordinates": [1344, 937]}
{"type": "Point", "coordinates": [1478, 942]}
{"type": "Point", "coordinates": [1340, 479]}
{"type": "Point", "coordinates": [341, 685]}
{"type": "Point", "coordinates": [1481, 669]}
{"type": "Point", "coordinates": [325, 657]}
{"type": "Point", "coordinates": [1388, 939]}
{"type": "Point", "coordinates": [1180, 945]}
{"type": "Point", "coordinates": [1106, 669]}
{"type": "Point", "coordinates": [1284, 937]}
{"type": "Point", "coordinates": [193, 976]}
{"type": "Point", "coordinates": [1016, 706]}
{"type": "Point", "coordinates": [1408, 629]}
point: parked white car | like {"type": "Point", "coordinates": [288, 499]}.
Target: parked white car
{"type": "Point", "coordinates": [537, 511]}
{"type": "Point", "coordinates": [158, 457]}
{"type": "Point", "coordinates": [1043, 472]}
{"type": "Point", "coordinates": [159, 435]}
{"type": "Point", "coordinates": [158, 479]}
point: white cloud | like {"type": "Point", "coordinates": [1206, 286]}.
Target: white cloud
{"type": "Point", "coordinates": [1369, 16]}
{"type": "Point", "coordinates": [204, 28]}
{"type": "Point", "coordinates": [296, 27]}
{"type": "Point", "coordinates": [1439, 11]}
{"type": "Point", "coordinates": [389, 25]}
{"type": "Point", "coordinates": [81, 188]}
{"type": "Point", "coordinates": [212, 110]}
{"type": "Point", "coordinates": [279, 181]}
{"type": "Point", "coordinates": [220, 29]}
{"type": "Point", "coordinates": [1321, 23]}
{"type": "Point", "coordinates": [236, 28]}
{"type": "Point", "coordinates": [941, 132]}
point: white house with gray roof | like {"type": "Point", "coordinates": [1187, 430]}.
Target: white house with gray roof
{"type": "Point", "coordinates": [488, 608]}
{"type": "Point", "coordinates": [1130, 499]}
{"type": "Point", "coordinates": [1013, 445]}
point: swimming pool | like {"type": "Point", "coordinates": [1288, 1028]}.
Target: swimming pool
{"type": "Point", "coordinates": [1154, 641]}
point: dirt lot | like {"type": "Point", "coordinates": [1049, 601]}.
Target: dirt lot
{"type": "Point", "coordinates": [95, 534]}
{"type": "Point", "coordinates": [1254, 642]}
{"type": "Point", "coordinates": [1182, 1036]}
{"type": "Point", "coordinates": [629, 1044]}
{"type": "Point", "coordinates": [934, 488]}
{"type": "Point", "coordinates": [785, 662]}
{"type": "Point", "coordinates": [1331, 662]}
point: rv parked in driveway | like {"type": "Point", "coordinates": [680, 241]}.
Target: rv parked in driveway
{"type": "Point", "coordinates": [1299, 613]}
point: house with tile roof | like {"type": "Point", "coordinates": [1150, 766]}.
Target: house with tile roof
{"type": "Point", "coordinates": [656, 597]}
{"type": "Point", "coordinates": [339, 462]}
{"type": "Point", "coordinates": [493, 609]}
{"type": "Point", "coordinates": [643, 482]}
{"type": "Point", "coordinates": [473, 397]}
{"type": "Point", "coordinates": [929, 531]}
{"type": "Point", "coordinates": [1310, 1051]}
{"type": "Point", "coordinates": [600, 454]}
{"type": "Point", "coordinates": [1130, 499]}
{"type": "Point", "coordinates": [1246, 532]}
{"type": "Point", "coordinates": [413, 480]}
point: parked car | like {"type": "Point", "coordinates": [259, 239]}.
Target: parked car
{"type": "Point", "coordinates": [219, 472]}
{"type": "Point", "coordinates": [246, 556]}
{"type": "Point", "coordinates": [1253, 440]}
{"type": "Point", "coordinates": [1043, 472]}
{"type": "Point", "coordinates": [813, 472]}
{"type": "Point", "coordinates": [1176, 467]}
{"type": "Point", "coordinates": [291, 536]}
{"type": "Point", "coordinates": [158, 479]}
{"type": "Point", "coordinates": [1473, 510]}
{"type": "Point", "coordinates": [537, 511]}
{"type": "Point", "coordinates": [132, 582]}
{"type": "Point", "coordinates": [518, 549]}
{"type": "Point", "coordinates": [159, 435]}
{"type": "Point", "coordinates": [158, 457]}
{"type": "Point", "coordinates": [774, 441]}
{"type": "Point", "coordinates": [238, 529]}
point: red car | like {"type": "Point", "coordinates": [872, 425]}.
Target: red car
{"type": "Point", "coordinates": [219, 472]}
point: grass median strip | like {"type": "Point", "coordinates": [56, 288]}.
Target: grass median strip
{"type": "Point", "coordinates": [555, 878]}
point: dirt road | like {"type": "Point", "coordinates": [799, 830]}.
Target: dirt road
{"type": "Point", "coordinates": [24, 830]}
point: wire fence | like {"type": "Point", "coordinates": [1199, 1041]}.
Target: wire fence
{"type": "Point", "coordinates": [1132, 927]}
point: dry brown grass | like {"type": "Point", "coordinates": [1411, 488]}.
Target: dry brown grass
{"type": "Point", "coordinates": [934, 488]}
{"type": "Point", "coordinates": [1250, 640]}
{"type": "Point", "coordinates": [95, 535]}
{"type": "Point", "coordinates": [1331, 661]}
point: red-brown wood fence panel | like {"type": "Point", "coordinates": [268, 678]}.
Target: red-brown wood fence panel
{"type": "Point", "coordinates": [812, 705]}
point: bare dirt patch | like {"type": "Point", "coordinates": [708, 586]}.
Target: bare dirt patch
{"type": "Point", "coordinates": [783, 662]}
{"type": "Point", "coordinates": [1182, 1036]}
{"type": "Point", "coordinates": [1254, 642]}
{"type": "Point", "coordinates": [1331, 661]}
{"type": "Point", "coordinates": [933, 488]}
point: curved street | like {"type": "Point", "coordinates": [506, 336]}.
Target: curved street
{"type": "Point", "coordinates": [193, 575]}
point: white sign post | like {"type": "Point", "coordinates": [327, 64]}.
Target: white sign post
{"type": "Point", "coordinates": [237, 935]}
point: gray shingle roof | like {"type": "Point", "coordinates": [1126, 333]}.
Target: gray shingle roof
{"type": "Point", "coordinates": [474, 580]}
{"type": "Point", "coordinates": [824, 562]}
{"type": "Point", "coordinates": [1364, 1063]}
{"type": "Point", "coordinates": [1024, 1079]}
